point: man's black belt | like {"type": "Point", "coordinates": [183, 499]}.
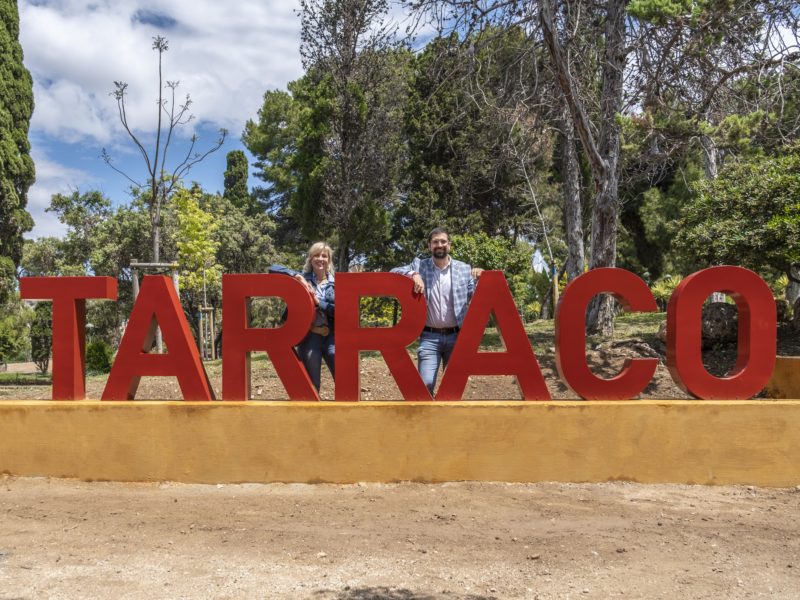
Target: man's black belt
{"type": "Point", "coordinates": [445, 330]}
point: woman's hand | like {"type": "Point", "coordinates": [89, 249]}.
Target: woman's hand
{"type": "Point", "coordinates": [308, 287]}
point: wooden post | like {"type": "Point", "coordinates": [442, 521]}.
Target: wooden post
{"type": "Point", "coordinates": [213, 337]}
{"type": "Point", "coordinates": [555, 288]}
{"type": "Point", "coordinates": [158, 267]}
{"type": "Point", "coordinates": [202, 340]}
{"type": "Point", "coordinates": [134, 279]}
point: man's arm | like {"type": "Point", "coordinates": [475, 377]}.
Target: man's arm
{"type": "Point", "coordinates": [475, 274]}
{"type": "Point", "coordinates": [412, 271]}
{"type": "Point", "coordinates": [412, 267]}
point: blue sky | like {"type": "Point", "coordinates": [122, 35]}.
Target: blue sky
{"type": "Point", "coordinates": [225, 55]}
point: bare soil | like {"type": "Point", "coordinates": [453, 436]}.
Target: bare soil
{"type": "Point", "coordinates": [407, 541]}
{"type": "Point", "coordinates": [66, 539]}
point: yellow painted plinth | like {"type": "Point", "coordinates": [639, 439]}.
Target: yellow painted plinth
{"type": "Point", "coordinates": [785, 380]}
{"type": "Point", "coordinates": [709, 442]}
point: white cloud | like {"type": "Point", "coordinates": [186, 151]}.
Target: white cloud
{"type": "Point", "coordinates": [51, 178]}
{"type": "Point", "coordinates": [226, 55]}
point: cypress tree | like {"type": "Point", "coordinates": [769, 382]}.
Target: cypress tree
{"type": "Point", "coordinates": [236, 181]}
{"type": "Point", "coordinates": [16, 165]}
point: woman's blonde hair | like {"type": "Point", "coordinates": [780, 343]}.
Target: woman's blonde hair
{"type": "Point", "coordinates": [316, 248]}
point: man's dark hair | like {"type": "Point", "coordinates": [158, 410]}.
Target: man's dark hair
{"type": "Point", "coordinates": [437, 231]}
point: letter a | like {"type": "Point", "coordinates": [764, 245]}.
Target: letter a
{"type": "Point", "coordinates": [493, 296]}
{"type": "Point", "coordinates": [157, 305]}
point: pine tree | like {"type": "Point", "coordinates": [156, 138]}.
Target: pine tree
{"type": "Point", "coordinates": [16, 165]}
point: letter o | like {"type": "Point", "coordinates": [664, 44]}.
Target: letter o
{"type": "Point", "coordinates": [757, 333]}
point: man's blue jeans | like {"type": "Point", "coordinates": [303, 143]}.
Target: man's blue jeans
{"type": "Point", "coordinates": [434, 349]}
{"type": "Point", "coordinates": [312, 350]}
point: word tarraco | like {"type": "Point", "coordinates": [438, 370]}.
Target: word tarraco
{"type": "Point", "coordinates": [158, 306]}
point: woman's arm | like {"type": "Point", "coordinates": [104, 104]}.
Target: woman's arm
{"type": "Point", "coordinates": [281, 270]}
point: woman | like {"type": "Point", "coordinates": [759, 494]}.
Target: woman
{"type": "Point", "coordinates": [317, 277]}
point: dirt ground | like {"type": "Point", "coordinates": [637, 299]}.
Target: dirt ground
{"type": "Point", "coordinates": [408, 541]}
{"type": "Point", "coordinates": [604, 357]}
{"type": "Point", "coordinates": [67, 539]}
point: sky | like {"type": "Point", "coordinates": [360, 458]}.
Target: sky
{"type": "Point", "coordinates": [224, 54]}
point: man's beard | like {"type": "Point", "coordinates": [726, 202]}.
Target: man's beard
{"type": "Point", "coordinates": [439, 253]}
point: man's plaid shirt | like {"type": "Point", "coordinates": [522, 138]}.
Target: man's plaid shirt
{"type": "Point", "coordinates": [463, 285]}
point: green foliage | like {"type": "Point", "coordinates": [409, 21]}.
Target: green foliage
{"type": "Point", "coordinates": [98, 357]}
{"type": "Point", "coordinates": [24, 379]}
{"type": "Point", "coordinates": [14, 339]}
{"type": "Point", "coordinates": [16, 166]}
{"type": "Point", "coordinates": [378, 311]}
{"type": "Point", "coordinates": [196, 245]}
{"type": "Point", "coordinates": [662, 289]}
{"type": "Point", "coordinates": [7, 279]}
{"type": "Point", "coordinates": [496, 253]}
{"type": "Point", "coordinates": [236, 174]}
{"type": "Point", "coordinates": [748, 216]}
{"type": "Point", "coordinates": [42, 257]}
{"type": "Point", "coordinates": [42, 335]}
{"type": "Point", "coordinates": [659, 11]}
{"type": "Point", "coordinates": [245, 241]}
{"type": "Point", "coordinates": [467, 157]}
{"type": "Point", "coordinates": [329, 147]}
{"type": "Point", "coordinates": [779, 285]}
{"type": "Point", "coordinates": [85, 215]}
{"type": "Point", "coordinates": [660, 212]}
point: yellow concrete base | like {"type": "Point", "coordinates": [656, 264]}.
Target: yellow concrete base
{"type": "Point", "coordinates": [709, 442]}
{"type": "Point", "coordinates": [785, 380]}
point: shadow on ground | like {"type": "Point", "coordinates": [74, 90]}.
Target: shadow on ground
{"type": "Point", "coordinates": [391, 593]}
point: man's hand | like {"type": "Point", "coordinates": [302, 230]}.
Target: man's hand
{"type": "Point", "coordinates": [419, 285]}
{"type": "Point", "coordinates": [308, 287]}
{"type": "Point", "coordinates": [476, 273]}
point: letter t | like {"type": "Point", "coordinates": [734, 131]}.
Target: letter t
{"type": "Point", "coordinates": [69, 295]}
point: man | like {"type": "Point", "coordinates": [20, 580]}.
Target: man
{"type": "Point", "coordinates": [448, 285]}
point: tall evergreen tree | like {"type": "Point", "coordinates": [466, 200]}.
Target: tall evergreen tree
{"type": "Point", "coordinates": [330, 148]}
{"type": "Point", "coordinates": [16, 165]}
{"type": "Point", "coordinates": [236, 181]}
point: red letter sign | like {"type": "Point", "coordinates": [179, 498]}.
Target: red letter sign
{"type": "Point", "coordinates": [757, 333]}
{"type": "Point", "coordinates": [570, 335]}
{"type": "Point", "coordinates": [157, 306]}
{"type": "Point", "coordinates": [351, 338]}
{"type": "Point", "coordinates": [238, 340]}
{"type": "Point", "coordinates": [69, 296]}
{"type": "Point", "coordinates": [493, 296]}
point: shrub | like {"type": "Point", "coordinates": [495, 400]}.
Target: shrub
{"type": "Point", "coordinates": [98, 357]}
{"type": "Point", "coordinates": [662, 289]}
{"type": "Point", "coordinates": [41, 336]}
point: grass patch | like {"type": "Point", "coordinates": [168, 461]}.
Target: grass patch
{"type": "Point", "coordinates": [24, 379]}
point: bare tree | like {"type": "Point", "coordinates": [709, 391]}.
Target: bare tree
{"type": "Point", "coordinates": [162, 177]}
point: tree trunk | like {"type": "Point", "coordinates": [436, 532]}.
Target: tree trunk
{"type": "Point", "coordinates": [343, 258]}
{"type": "Point", "coordinates": [710, 156]}
{"type": "Point", "coordinates": [603, 152]}
{"type": "Point", "coordinates": [600, 317]}
{"type": "Point", "coordinates": [156, 243]}
{"type": "Point", "coordinates": [793, 288]}
{"type": "Point", "coordinates": [573, 222]}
